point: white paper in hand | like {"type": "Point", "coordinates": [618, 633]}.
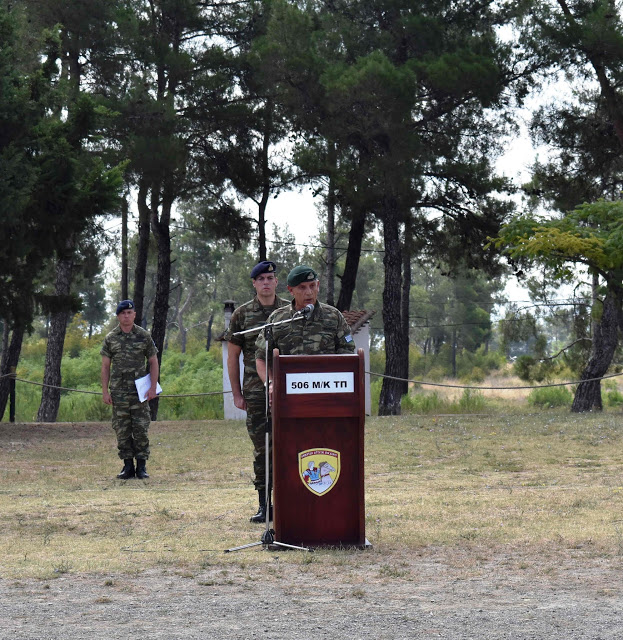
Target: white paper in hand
{"type": "Point", "coordinates": [142, 386]}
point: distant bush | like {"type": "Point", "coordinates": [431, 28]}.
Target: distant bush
{"type": "Point", "coordinates": [435, 374]}
{"type": "Point", "coordinates": [184, 374]}
{"type": "Point", "coordinates": [472, 401]}
{"type": "Point", "coordinates": [550, 397]}
{"type": "Point", "coordinates": [426, 403]}
{"type": "Point", "coordinates": [33, 348]}
{"type": "Point", "coordinates": [377, 360]}
{"type": "Point", "coordinates": [476, 374]}
{"type": "Point", "coordinates": [613, 398]}
{"type": "Point", "coordinates": [181, 374]}
{"type": "Point", "coordinates": [81, 407]}
{"type": "Point", "coordinates": [526, 368]}
{"type": "Point", "coordinates": [83, 372]}
{"type": "Point", "coordinates": [375, 394]}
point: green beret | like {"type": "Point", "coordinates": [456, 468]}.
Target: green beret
{"type": "Point", "coordinates": [300, 274]}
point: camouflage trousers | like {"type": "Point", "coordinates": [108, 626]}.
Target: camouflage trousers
{"type": "Point", "coordinates": [130, 420]}
{"type": "Point", "coordinates": [256, 428]}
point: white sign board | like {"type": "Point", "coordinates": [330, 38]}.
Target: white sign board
{"type": "Point", "coordinates": [333, 382]}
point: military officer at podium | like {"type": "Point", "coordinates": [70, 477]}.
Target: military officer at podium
{"type": "Point", "coordinates": [252, 397]}
{"type": "Point", "coordinates": [322, 329]}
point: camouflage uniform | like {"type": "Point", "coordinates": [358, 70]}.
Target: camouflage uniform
{"type": "Point", "coordinates": [248, 316]}
{"type": "Point", "coordinates": [129, 353]}
{"type": "Point", "coordinates": [325, 331]}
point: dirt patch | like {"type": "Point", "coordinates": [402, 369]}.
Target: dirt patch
{"type": "Point", "coordinates": [434, 594]}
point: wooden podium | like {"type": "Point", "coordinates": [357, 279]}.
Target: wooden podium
{"type": "Point", "coordinates": [318, 432]}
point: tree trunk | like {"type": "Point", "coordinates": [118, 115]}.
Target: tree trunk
{"type": "Point", "coordinates": [404, 308]}
{"type": "Point", "coordinates": [209, 332]}
{"type": "Point", "coordinates": [605, 341]}
{"type": "Point", "coordinates": [162, 232]}
{"type": "Point", "coordinates": [266, 178]}
{"type": "Point", "coordinates": [331, 206]}
{"type": "Point", "coordinates": [142, 253]}
{"type": "Point", "coordinates": [391, 391]}
{"type": "Point", "coordinates": [353, 255]}
{"type": "Point", "coordinates": [124, 250]}
{"type": "Point", "coordinates": [10, 358]}
{"type": "Point", "coordinates": [182, 309]}
{"type": "Point", "coordinates": [51, 395]}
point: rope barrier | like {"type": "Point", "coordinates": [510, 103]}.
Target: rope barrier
{"type": "Point", "coordinates": [462, 386]}
{"type": "Point", "coordinates": [99, 393]}
{"type": "Point", "coordinates": [372, 373]}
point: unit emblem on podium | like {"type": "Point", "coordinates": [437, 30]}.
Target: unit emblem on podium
{"type": "Point", "coordinates": [319, 469]}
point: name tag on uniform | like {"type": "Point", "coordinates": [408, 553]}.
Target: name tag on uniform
{"type": "Point", "coordinates": [330, 382]}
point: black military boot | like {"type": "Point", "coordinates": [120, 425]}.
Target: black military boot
{"type": "Point", "coordinates": [141, 471]}
{"type": "Point", "coordinates": [128, 470]}
{"type": "Point", "coordinates": [260, 516]}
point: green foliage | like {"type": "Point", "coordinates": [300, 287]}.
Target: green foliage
{"type": "Point", "coordinates": [476, 374]}
{"type": "Point", "coordinates": [613, 398]}
{"type": "Point", "coordinates": [526, 368]}
{"type": "Point", "coordinates": [550, 397]}
{"type": "Point", "coordinates": [430, 403]}
{"type": "Point", "coordinates": [475, 365]}
{"type": "Point", "coordinates": [183, 374]}
{"type": "Point", "coordinates": [79, 407]}
{"type": "Point", "coordinates": [471, 366]}
{"type": "Point", "coordinates": [377, 360]}
{"type": "Point", "coordinates": [532, 369]}
{"type": "Point", "coordinates": [519, 330]}
{"type": "Point", "coordinates": [472, 401]}
{"type": "Point", "coordinates": [425, 403]}
{"type": "Point", "coordinates": [591, 234]}
{"type": "Point", "coordinates": [375, 394]}
{"type": "Point", "coordinates": [76, 338]}
{"type": "Point", "coordinates": [83, 370]}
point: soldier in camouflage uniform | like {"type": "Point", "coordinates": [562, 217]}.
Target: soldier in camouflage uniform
{"type": "Point", "coordinates": [252, 397]}
{"type": "Point", "coordinates": [128, 347]}
{"type": "Point", "coordinates": [323, 330]}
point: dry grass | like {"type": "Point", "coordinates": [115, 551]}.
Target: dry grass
{"type": "Point", "coordinates": [536, 481]}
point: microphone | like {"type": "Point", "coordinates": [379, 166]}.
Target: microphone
{"type": "Point", "coordinates": [305, 312]}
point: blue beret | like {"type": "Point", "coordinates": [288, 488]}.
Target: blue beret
{"type": "Point", "coordinates": [300, 274]}
{"type": "Point", "coordinates": [123, 305]}
{"type": "Point", "coordinates": [263, 267]}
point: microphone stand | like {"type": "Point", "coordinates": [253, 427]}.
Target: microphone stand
{"type": "Point", "coordinates": [268, 537]}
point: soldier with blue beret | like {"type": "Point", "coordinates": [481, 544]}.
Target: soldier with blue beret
{"type": "Point", "coordinates": [131, 352]}
{"type": "Point", "coordinates": [252, 396]}
{"type": "Point", "coordinates": [323, 330]}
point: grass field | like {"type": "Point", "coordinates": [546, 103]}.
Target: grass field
{"type": "Point", "coordinates": [547, 482]}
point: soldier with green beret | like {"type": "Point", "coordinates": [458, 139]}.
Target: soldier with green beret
{"type": "Point", "coordinates": [132, 353]}
{"type": "Point", "coordinates": [252, 397]}
{"type": "Point", "coordinates": [323, 330]}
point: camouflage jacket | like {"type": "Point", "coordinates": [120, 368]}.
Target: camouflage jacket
{"type": "Point", "coordinates": [129, 353]}
{"type": "Point", "coordinates": [248, 316]}
{"type": "Point", "coordinates": [325, 331]}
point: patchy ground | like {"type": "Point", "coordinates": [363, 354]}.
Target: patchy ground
{"type": "Point", "coordinates": [549, 592]}
{"type": "Point", "coordinates": [376, 596]}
